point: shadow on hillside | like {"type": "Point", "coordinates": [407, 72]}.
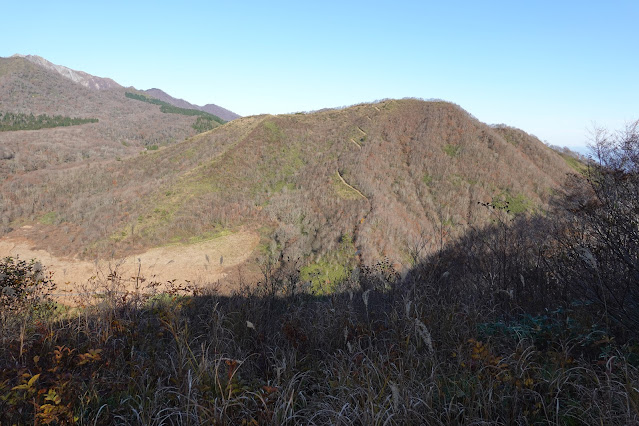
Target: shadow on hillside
{"type": "Point", "coordinates": [424, 348]}
{"type": "Point", "coordinates": [528, 320]}
{"type": "Point", "coordinates": [493, 274]}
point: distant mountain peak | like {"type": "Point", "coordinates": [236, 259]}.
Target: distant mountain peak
{"type": "Point", "coordinates": [100, 83]}
{"type": "Point", "coordinates": [79, 77]}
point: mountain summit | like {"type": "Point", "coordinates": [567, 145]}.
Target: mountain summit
{"type": "Point", "coordinates": [101, 83]}
{"type": "Point", "coordinates": [87, 80]}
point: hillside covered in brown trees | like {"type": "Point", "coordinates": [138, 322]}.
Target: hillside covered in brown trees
{"type": "Point", "coordinates": [330, 189]}
{"type": "Point", "coordinates": [123, 126]}
{"type": "Point", "coordinates": [394, 262]}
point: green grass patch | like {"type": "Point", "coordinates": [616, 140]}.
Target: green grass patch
{"type": "Point", "coordinates": [278, 172]}
{"type": "Point", "coordinates": [163, 303]}
{"type": "Point", "coordinates": [279, 186]}
{"type": "Point", "coordinates": [195, 239]}
{"type": "Point", "coordinates": [165, 205]}
{"type": "Point", "coordinates": [509, 138]}
{"type": "Point", "coordinates": [575, 164]}
{"type": "Point", "coordinates": [514, 204]}
{"type": "Point", "coordinates": [48, 218]}
{"type": "Point", "coordinates": [290, 157]}
{"type": "Point", "coordinates": [275, 133]}
{"type": "Point", "coordinates": [324, 276]}
{"type": "Point", "coordinates": [333, 269]}
{"type": "Point", "coordinates": [452, 150]}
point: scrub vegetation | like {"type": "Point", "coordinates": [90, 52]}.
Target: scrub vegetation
{"type": "Point", "coordinates": [301, 176]}
{"type": "Point", "coordinates": [531, 319]}
{"type": "Point", "coordinates": [413, 266]}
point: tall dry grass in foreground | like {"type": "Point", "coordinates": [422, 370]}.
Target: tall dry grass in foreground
{"type": "Point", "coordinates": [382, 351]}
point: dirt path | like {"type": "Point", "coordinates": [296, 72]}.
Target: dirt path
{"type": "Point", "coordinates": [351, 187]}
{"type": "Point", "coordinates": [199, 264]}
{"type": "Point", "coordinates": [358, 145]}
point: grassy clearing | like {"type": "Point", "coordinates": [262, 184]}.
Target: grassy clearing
{"type": "Point", "coordinates": [329, 273]}
{"type": "Point", "coordinates": [169, 203]}
{"type": "Point", "coordinates": [285, 160]}
{"type": "Point", "coordinates": [196, 239]}
{"type": "Point", "coordinates": [514, 204]}
{"type": "Point", "coordinates": [324, 276]}
{"type": "Point", "coordinates": [274, 131]}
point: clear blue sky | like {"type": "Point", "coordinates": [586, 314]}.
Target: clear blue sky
{"type": "Point", "coordinates": [548, 67]}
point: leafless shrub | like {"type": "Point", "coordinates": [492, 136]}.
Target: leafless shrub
{"type": "Point", "coordinates": [599, 260]}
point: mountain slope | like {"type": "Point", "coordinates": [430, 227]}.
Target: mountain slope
{"type": "Point", "coordinates": [378, 175]}
{"type": "Point", "coordinates": [87, 80]}
{"type": "Point", "coordinates": [223, 113]}
{"type": "Point", "coordinates": [331, 188]}
{"type": "Point", "coordinates": [124, 126]}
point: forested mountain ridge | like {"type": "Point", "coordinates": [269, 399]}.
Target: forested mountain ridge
{"type": "Point", "coordinates": [181, 103]}
{"type": "Point", "coordinates": [87, 80]}
{"type": "Point", "coordinates": [330, 188]}
{"type": "Point", "coordinates": [120, 126]}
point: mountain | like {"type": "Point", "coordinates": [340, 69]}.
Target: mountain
{"type": "Point", "coordinates": [87, 80]}
{"type": "Point", "coordinates": [99, 83]}
{"type": "Point", "coordinates": [327, 190]}
{"type": "Point", "coordinates": [223, 113]}
{"type": "Point", "coordinates": [32, 90]}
